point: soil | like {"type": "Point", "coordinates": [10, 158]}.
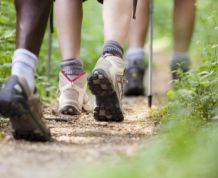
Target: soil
{"type": "Point", "coordinates": [81, 140]}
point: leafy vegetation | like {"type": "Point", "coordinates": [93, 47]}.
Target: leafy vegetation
{"type": "Point", "coordinates": [186, 144]}
{"type": "Point", "coordinates": [7, 37]}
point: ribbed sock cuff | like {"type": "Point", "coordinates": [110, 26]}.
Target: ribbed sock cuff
{"type": "Point", "coordinates": [72, 61]}
{"type": "Point", "coordinates": [135, 54]}
{"type": "Point", "coordinates": [26, 57]}
{"type": "Point", "coordinates": [178, 56]}
{"type": "Point", "coordinates": [135, 57]}
{"type": "Point", "coordinates": [71, 66]}
{"type": "Point", "coordinates": [24, 65]}
{"type": "Point", "coordinates": [113, 47]}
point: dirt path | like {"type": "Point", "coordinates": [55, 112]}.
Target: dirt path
{"type": "Point", "coordinates": [82, 140]}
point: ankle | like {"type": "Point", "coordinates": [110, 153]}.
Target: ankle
{"type": "Point", "coordinates": [135, 56]}
{"type": "Point", "coordinates": [24, 65]}
{"type": "Point", "coordinates": [71, 68]}
{"type": "Point", "coordinates": [135, 53]}
{"type": "Point", "coordinates": [113, 48]}
{"type": "Point", "coordinates": [179, 56]}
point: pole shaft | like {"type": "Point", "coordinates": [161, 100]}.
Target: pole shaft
{"type": "Point", "coordinates": [49, 51]}
{"type": "Point", "coordinates": [151, 9]}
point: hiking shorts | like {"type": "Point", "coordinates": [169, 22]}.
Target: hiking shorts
{"type": "Point", "coordinates": [134, 6]}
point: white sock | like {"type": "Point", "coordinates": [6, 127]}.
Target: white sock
{"type": "Point", "coordinates": [23, 65]}
{"type": "Point", "coordinates": [133, 55]}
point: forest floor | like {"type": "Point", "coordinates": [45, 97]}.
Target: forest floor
{"type": "Point", "coordinates": [81, 140]}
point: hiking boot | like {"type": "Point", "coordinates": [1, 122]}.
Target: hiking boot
{"type": "Point", "coordinates": [179, 66]}
{"type": "Point", "coordinates": [24, 110]}
{"type": "Point", "coordinates": [106, 83]}
{"type": "Point", "coordinates": [87, 105]}
{"type": "Point", "coordinates": [73, 98]}
{"type": "Point", "coordinates": [135, 76]}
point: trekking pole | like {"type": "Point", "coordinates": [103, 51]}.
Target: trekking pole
{"type": "Point", "coordinates": [51, 30]}
{"type": "Point", "coordinates": [151, 13]}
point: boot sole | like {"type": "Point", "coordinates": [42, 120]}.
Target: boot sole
{"type": "Point", "coordinates": [24, 123]}
{"type": "Point", "coordinates": [69, 110]}
{"type": "Point", "coordinates": [108, 107]}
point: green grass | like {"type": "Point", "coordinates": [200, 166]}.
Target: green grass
{"type": "Point", "coordinates": [186, 144]}
{"type": "Point", "coordinates": [7, 38]}
{"type": "Point", "coordinates": [173, 153]}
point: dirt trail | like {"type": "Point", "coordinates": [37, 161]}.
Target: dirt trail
{"type": "Point", "coordinates": [82, 139]}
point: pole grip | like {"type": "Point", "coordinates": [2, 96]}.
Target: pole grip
{"type": "Point", "coordinates": [150, 101]}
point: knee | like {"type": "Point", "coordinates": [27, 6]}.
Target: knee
{"type": "Point", "coordinates": [35, 4]}
{"type": "Point", "coordinates": [179, 2]}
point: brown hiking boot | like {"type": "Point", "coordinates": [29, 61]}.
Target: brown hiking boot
{"type": "Point", "coordinates": [24, 110]}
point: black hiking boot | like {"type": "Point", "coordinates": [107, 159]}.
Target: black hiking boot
{"type": "Point", "coordinates": [24, 110]}
{"type": "Point", "coordinates": [135, 76]}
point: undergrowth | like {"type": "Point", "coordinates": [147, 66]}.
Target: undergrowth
{"type": "Point", "coordinates": [186, 144]}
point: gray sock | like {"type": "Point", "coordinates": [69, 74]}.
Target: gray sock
{"type": "Point", "coordinates": [113, 47]}
{"type": "Point", "coordinates": [180, 59]}
{"type": "Point", "coordinates": [71, 68]}
{"type": "Point", "coordinates": [23, 65]}
{"type": "Point", "coordinates": [135, 57]}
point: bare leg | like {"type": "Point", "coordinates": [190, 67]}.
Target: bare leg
{"type": "Point", "coordinates": [32, 16]}
{"type": "Point", "coordinates": [135, 55]}
{"type": "Point", "coordinates": [72, 79]}
{"type": "Point", "coordinates": [184, 16]}
{"type": "Point", "coordinates": [183, 23]}
{"type": "Point", "coordinates": [106, 80]}
{"type": "Point", "coordinates": [69, 18]}
{"type": "Point", "coordinates": [116, 16]}
{"type": "Point", "coordinates": [139, 26]}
